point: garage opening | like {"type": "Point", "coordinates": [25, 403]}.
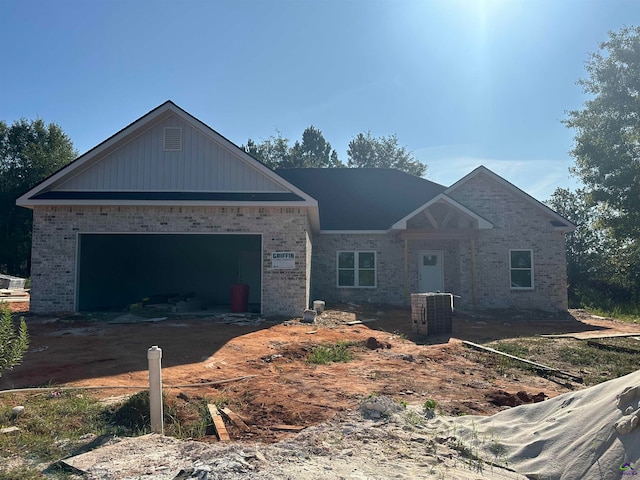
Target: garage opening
{"type": "Point", "coordinates": [117, 270]}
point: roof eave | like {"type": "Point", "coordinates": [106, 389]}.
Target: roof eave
{"type": "Point", "coordinates": [510, 186]}
{"type": "Point", "coordinates": [122, 135]}
{"type": "Point", "coordinates": [483, 224]}
{"type": "Point", "coordinates": [30, 203]}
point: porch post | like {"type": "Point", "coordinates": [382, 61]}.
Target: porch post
{"type": "Point", "coordinates": [474, 293]}
{"type": "Point", "coordinates": [406, 272]}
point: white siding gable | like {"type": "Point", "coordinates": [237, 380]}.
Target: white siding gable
{"type": "Point", "coordinates": [143, 164]}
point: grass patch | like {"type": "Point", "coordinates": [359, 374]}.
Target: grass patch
{"type": "Point", "coordinates": [22, 473]}
{"type": "Point", "coordinates": [324, 354]}
{"type": "Point", "coordinates": [594, 363]}
{"type": "Point", "coordinates": [626, 313]}
{"type": "Point", "coordinates": [60, 424]}
{"type": "Point", "coordinates": [51, 425]}
{"type": "Point", "coordinates": [512, 348]}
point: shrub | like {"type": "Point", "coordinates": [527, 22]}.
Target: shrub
{"type": "Point", "coordinates": [13, 343]}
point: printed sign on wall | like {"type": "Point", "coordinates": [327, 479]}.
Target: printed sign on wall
{"type": "Point", "coordinates": [283, 260]}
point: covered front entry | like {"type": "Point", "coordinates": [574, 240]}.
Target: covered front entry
{"type": "Point", "coordinates": [116, 270]}
{"type": "Point", "coordinates": [443, 234]}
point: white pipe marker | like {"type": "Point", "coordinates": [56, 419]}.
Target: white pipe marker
{"type": "Point", "coordinates": [154, 355]}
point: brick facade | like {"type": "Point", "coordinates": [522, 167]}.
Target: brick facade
{"type": "Point", "coordinates": [56, 229]}
{"type": "Point", "coordinates": [518, 224]}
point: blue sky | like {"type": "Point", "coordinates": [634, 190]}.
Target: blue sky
{"type": "Point", "coordinates": [461, 82]}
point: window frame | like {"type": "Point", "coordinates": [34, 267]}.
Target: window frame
{"type": "Point", "coordinates": [356, 269]}
{"type": "Point", "coordinates": [520, 269]}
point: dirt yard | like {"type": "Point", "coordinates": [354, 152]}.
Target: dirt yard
{"type": "Point", "coordinates": [284, 389]}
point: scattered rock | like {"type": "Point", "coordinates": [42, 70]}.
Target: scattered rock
{"type": "Point", "coordinates": [18, 410]}
{"type": "Point", "coordinates": [309, 316]}
{"type": "Point", "coordinates": [500, 398]}
{"type": "Point", "coordinates": [628, 423]}
{"type": "Point", "coordinates": [374, 344]}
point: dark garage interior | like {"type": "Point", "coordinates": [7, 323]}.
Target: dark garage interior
{"type": "Point", "coordinates": [116, 270]}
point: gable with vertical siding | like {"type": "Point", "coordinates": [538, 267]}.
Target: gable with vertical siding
{"type": "Point", "coordinates": [140, 164]}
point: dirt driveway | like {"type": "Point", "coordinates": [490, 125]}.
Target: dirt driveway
{"type": "Point", "coordinates": [89, 351]}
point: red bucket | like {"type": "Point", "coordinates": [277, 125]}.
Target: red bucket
{"type": "Point", "coordinates": [239, 298]}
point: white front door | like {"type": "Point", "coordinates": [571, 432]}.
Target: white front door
{"type": "Point", "coordinates": [431, 271]}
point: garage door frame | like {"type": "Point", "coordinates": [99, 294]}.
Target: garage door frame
{"type": "Point", "coordinates": [76, 299]}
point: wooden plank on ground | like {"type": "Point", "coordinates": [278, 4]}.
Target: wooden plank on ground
{"type": "Point", "coordinates": [218, 423]}
{"type": "Point", "coordinates": [591, 335]}
{"type": "Point", "coordinates": [538, 366]}
{"type": "Point", "coordinates": [288, 428]}
{"type": "Point", "coordinates": [235, 418]}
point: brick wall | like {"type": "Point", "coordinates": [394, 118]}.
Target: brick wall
{"type": "Point", "coordinates": [55, 231]}
{"type": "Point", "coordinates": [518, 224]}
{"type": "Point", "coordinates": [390, 267]}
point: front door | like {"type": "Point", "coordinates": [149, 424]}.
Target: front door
{"type": "Point", "coordinates": [431, 271]}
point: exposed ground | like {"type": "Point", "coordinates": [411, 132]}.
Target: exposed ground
{"type": "Point", "coordinates": [89, 351]}
{"type": "Point", "coordinates": [355, 424]}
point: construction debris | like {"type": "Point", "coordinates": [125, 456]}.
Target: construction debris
{"type": "Point", "coordinates": [288, 428]}
{"type": "Point", "coordinates": [538, 366]}
{"type": "Point", "coordinates": [9, 282]}
{"type": "Point", "coordinates": [309, 316]}
{"type": "Point", "coordinates": [218, 423]}
{"type": "Point", "coordinates": [235, 419]}
{"type": "Point", "coordinates": [591, 335]}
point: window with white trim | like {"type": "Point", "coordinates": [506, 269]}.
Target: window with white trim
{"type": "Point", "coordinates": [356, 269]}
{"type": "Point", "coordinates": [521, 269]}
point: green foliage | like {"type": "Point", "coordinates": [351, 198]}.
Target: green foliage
{"type": "Point", "coordinates": [515, 349]}
{"type": "Point", "coordinates": [324, 354]}
{"type": "Point", "coordinates": [52, 424]}
{"type": "Point", "coordinates": [607, 140]}
{"type": "Point", "coordinates": [29, 152]}
{"type": "Point", "coordinates": [603, 254]}
{"type": "Point", "coordinates": [313, 152]}
{"type": "Point", "coordinates": [429, 405]}
{"type": "Point", "coordinates": [384, 152]}
{"type": "Point", "coordinates": [21, 473]}
{"type": "Point", "coordinates": [272, 152]}
{"type": "Point", "coordinates": [13, 343]}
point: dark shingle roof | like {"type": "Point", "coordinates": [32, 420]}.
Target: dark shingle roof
{"type": "Point", "coordinates": [362, 198]}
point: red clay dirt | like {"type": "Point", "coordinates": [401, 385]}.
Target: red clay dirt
{"type": "Point", "coordinates": [88, 351]}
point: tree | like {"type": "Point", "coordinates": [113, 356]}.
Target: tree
{"type": "Point", "coordinates": [588, 247]}
{"type": "Point", "coordinates": [13, 344]}
{"type": "Point", "coordinates": [272, 152]}
{"type": "Point", "coordinates": [313, 152]}
{"type": "Point", "coordinates": [29, 152]}
{"type": "Point", "coordinates": [607, 139]}
{"type": "Point", "coordinates": [607, 151]}
{"type": "Point", "coordinates": [384, 152]}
